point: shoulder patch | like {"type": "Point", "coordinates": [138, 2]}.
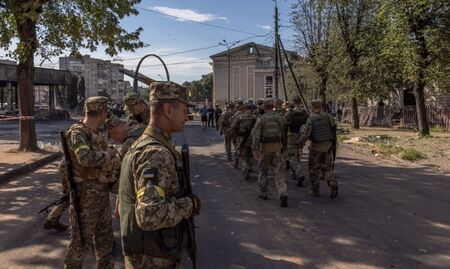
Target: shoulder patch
{"type": "Point", "coordinates": [151, 174]}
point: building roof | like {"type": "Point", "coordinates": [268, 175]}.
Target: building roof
{"type": "Point", "coordinates": [258, 48]}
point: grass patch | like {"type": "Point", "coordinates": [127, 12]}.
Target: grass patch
{"type": "Point", "coordinates": [380, 139]}
{"type": "Point", "coordinates": [391, 149]}
{"type": "Point", "coordinates": [412, 155]}
{"type": "Point", "coordinates": [341, 138]}
{"type": "Point", "coordinates": [437, 129]}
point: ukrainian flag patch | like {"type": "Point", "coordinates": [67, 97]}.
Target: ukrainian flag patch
{"type": "Point", "coordinates": [152, 175]}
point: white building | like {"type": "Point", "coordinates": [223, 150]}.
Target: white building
{"type": "Point", "coordinates": [99, 75]}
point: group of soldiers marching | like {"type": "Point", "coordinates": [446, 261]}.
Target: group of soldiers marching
{"type": "Point", "coordinates": [274, 134]}
{"type": "Point", "coordinates": [153, 203]}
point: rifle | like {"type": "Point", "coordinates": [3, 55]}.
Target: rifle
{"type": "Point", "coordinates": [247, 135]}
{"type": "Point", "coordinates": [61, 200]}
{"type": "Point", "coordinates": [72, 185]}
{"type": "Point", "coordinates": [192, 244]}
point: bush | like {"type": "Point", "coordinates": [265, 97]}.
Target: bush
{"type": "Point", "coordinates": [412, 155]}
{"type": "Point", "coordinates": [437, 129]}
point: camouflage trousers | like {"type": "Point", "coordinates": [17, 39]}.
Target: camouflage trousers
{"type": "Point", "coordinates": [138, 261]}
{"type": "Point", "coordinates": [227, 139]}
{"type": "Point", "coordinates": [96, 224]}
{"type": "Point", "coordinates": [57, 211]}
{"type": "Point", "coordinates": [276, 161]}
{"type": "Point", "coordinates": [294, 159]}
{"type": "Point", "coordinates": [320, 168]}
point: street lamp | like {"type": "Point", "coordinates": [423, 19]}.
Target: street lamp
{"type": "Point", "coordinates": [228, 46]}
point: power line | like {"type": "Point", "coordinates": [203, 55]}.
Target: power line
{"type": "Point", "coordinates": [179, 63]}
{"type": "Point", "coordinates": [198, 22]}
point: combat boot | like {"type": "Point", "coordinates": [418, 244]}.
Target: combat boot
{"type": "Point", "coordinates": [49, 224]}
{"type": "Point", "coordinates": [263, 196]}
{"type": "Point", "coordinates": [247, 173]}
{"type": "Point", "coordinates": [334, 190]}
{"type": "Point", "coordinates": [300, 181]}
{"type": "Point", "coordinates": [314, 193]}
{"type": "Point", "coordinates": [229, 158]}
{"type": "Point", "coordinates": [284, 201]}
{"type": "Point", "coordinates": [288, 165]}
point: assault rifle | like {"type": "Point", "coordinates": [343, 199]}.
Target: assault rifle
{"type": "Point", "coordinates": [192, 243]}
{"type": "Point", "coordinates": [61, 200]}
{"type": "Point", "coordinates": [72, 185]}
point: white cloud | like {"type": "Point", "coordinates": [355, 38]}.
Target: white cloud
{"type": "Point", "coordinates": [266, 27]}
{"type": "Point", "coordinates": [188, 14]}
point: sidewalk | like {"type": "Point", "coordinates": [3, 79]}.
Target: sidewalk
{"type": "Point", "coordinates": [14, 163]}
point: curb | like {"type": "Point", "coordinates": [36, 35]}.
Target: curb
{"type": "Point", "coordinates": [29, 167]}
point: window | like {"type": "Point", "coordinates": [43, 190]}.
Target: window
{"type": "Point", "coordinates": [250, 50]}
{"type": "Point", "coordinates": [268, 86]}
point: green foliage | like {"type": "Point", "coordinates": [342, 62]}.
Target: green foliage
{"type": "Point", "coordinates": [437, 129]}
{"type": "Point", "coordinates": [200, 89]}
{"type": "Point", "coordinates": [412, 155]}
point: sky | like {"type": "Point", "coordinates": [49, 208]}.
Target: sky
{"type": "Point", "coordinates": [169, 28]}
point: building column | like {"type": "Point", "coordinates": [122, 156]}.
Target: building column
{"type": "Point", "coordinates": [10, 96]}
{"type": "Point", "coordinates": [51, 97]}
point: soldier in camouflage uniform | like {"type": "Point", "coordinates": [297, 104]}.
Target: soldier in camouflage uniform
{"type": "Point", "coordinates": [320, 128]}
{"type": "Point", "coordinates": [295, 119]}
{"type": "Point", "coordinates": [152, 203]}
{"type": "Point", "coordinates": [93, 163]}
{"type": "Point", "coordinates": [260, 107]}
{"type": "Point", "coordinates": [240, 109]}
{"type": "Point", "coordinates": [224, 125]}
{"type": "Point", "coordinates": [278, 107]}
{"type": "Point", "coordinates": [241, 128]}
{"type": "Point", "coordinates": [137, 110]}
{"type": "Point", "coordinates": [267, 145]}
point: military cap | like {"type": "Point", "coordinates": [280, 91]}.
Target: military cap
{"type": "Point", "coordinates": [112, 122]}
{"type": "Point", "coordinates": [96, 103]}
{"type": "Point", "coordinates": [240, 104]}
{"type": "Point", "coordinates": [169, 91]}
{"type": "Point", "coordinates": [317, 103]}
{"type": "Point", "coordinates": [131, 98]}
{"type": "Point", "coordinates": [268, 102]}
{"type": "Point", "coordinates": [260, 101]}
{"type": "Point", "coordinates": [278, 102]}
{"type": "Point", "coordinates": [297, 99]}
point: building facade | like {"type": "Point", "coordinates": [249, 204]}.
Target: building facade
{"type": "Point", "coordinates": [252, 73]}
{"type": "Point", "coordinates": [100, 76]}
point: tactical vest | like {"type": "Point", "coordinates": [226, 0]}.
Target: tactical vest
{"type": "Point", "coordinates": [246, 123]}
{"type": "Point", "coordinates": [296, 119]}
{"type": "Point", "coordinates": [79, 171]}
{"type": "Point", "coordinates": [271, 128]}
{"type": "Point", "coordinates": [321, 129]}
{"type": "Point", "coordinates": [162, 243]}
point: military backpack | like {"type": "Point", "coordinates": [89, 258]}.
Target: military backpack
{"type": "Point", "coordinates": [296, 119]}
{"type": "Point", "coordinates": [321, 129]}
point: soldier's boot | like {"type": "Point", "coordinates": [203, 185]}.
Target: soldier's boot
{"type": "Point", "coordinates": [314, 193]}
{"type": "Point", "coordinates": [288, 165]}
{"type": "Point", "coordinates": [263, 196]}
{"type": "Point", "coordinates": [300, 181]}
{"type": "Point", "coordinates": [236, 163]}
{"type": "Point", "coordinates": [334, 189]}
{"type": "Point", "coordinates": [229, 158]}
{"type": "Point", "coordinates": [54, 224]}
{"type": "Point", "coordinates": [247, 173]}
{"type": "Point", "coordinates": [284, 201]}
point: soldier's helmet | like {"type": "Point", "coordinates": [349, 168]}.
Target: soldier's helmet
{"type": "Point", "coordinates": [112, 122]}
{"type": "Point", "coordinates": [240, 104]}
{"type": "Point", "coordinates": [165, 91]}
{"type": "Point", "coordinates": [297, 99]}
{"type": "Point", "coordinates": [248, 105]}
{"type": "Point", "coordinates": [269, 102]}
{"type": "Point", "coordinates": [131, 98]}
{"type": "Point", "coordinates": [278, 102]}
{"type": "Point", "coordinates": [96, 103]}
{"type": "Point", "coordinates": [317, 104]}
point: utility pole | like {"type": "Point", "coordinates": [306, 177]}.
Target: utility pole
{"type": "Point", "coordinates": [277, 48]}
{"type": "Point", "coordinates": [228, 46]}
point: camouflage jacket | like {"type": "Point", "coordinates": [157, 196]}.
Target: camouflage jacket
{"type": "Point", "coordinates": [306, 132]}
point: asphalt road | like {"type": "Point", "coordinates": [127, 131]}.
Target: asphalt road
{"type": "Point", "coordinates": [385, 217]}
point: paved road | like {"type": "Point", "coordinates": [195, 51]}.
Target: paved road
{"type": "Point", "coordinates": [384, 217]}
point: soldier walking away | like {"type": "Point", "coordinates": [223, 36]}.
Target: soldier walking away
{"type": "Point", "coordinates": [94, 165]}
{"type": "Point", "coordinates": [239, 110]}
{"type": "Point", "coordinates": [217, 114]}
{"type": "Point", "coordinates": [295, 120]}
{"type": "Point", "coordinates": [154, 206]}
{"type": "Point", "coordinates": [224, 125]}
{"type": "Point", "coordinates": [241, 128]}
{"type": "Point", "coordinates": [137, 108]}
{"type": "Point", "coordinates": [211, 112]}
{"type": "Point", "coordinates": [267, 144]}
{"type": "Point", "coordinates": [320, 128]}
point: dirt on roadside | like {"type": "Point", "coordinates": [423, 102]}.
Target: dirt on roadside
{"type": "Point", "coordinates": [432, 151]}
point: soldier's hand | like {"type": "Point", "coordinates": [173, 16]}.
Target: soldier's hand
{"type": "Point", "coordinates": [197, 204]}
{"type": "Point", "coordinates": [112, 152]}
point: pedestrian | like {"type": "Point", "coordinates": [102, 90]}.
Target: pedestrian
{"type": "Point", "coordinates": [320, 128]}
{"type": "Point", "coordinates": [224, 129]}
{"type": "Point", "coordinates": [211, 111]}
{"type": "Point", "coordinates": [137, 109]}
{"type": "Point", "coordinates": [295, 120]}
{"type": "Point", "coordinates": [241, 128]}
{"type": "Point", "coordinates": [267, 145]}
{"type": "Point", "coordinates": [153, 206]}
{"type": "Point", "coordinates": [217, 114]}
{"type": "Point", "coordinates": [204, 117]}
{"type": "Point", "coordinates": [93, 168]}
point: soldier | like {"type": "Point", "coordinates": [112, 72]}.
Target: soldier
{"type": "Point", "coordinates": [267, 144]}
{"type": "Point", "coordinates": [260, 108]}
{"type": "Point", "coordinates": [224, 125]}
{"type": "Point", "coordinates": [93, 166]}
{"type": "Point", "coordinates": [295, 119]}
{"type": "Point", "coordinates": [278, 107]}
{"type": "Point", "coordinates": [240, 109]}
{"type": "Point", "coordinates": [241, 128]}
{"type": "Point", "coordinates": [152, 202]}
{"type": "Point", "coordinates": [138, 110]}
{"type": "Point", "coordinates": [320, 128]}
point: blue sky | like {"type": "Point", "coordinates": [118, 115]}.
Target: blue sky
{"type": "Point", "coordinates": [168, 35]}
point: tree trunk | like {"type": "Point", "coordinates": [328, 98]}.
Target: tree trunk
{"type": "Point", "coordinates": [355, 114]}
{"type": "Point", "coordinates": [25, 76]}
{"type": "Point", "coordinates": [323, 88]}
{"type": "Point", "coordinates": [419, 88]}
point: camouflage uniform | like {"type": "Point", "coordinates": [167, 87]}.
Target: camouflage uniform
{"type": "Point", "coordinates": [272, 155]}
{"type": "Point", "coordinates": [224, 125]}
{"type": "Point", "coordinates": [154, 200]}
{"type": "Point", "coordinates": [87, 149]}
{"type": "Point", "coordinates": [293, 142]}
{"type": "Point", "coordinates": [320, 156]}
{"type": "Point", "coordinates": [143, 118]}
{"type": "Point", "coordinates": [241, 125]}
{"type": "Point", "coordinates": [56, 213]}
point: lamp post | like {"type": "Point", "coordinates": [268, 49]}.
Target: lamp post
{"type": "Point", "coordinates": [228, 46]}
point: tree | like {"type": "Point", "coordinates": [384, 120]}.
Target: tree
{"type": "Point", "coordinates": [51, 27]}
{"type": "Point", "coordinates": [312, 21]}
{"type": "Point", "coordinates": [200, 90]}
{"type": "Point", "coordinates": [417, 36]}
